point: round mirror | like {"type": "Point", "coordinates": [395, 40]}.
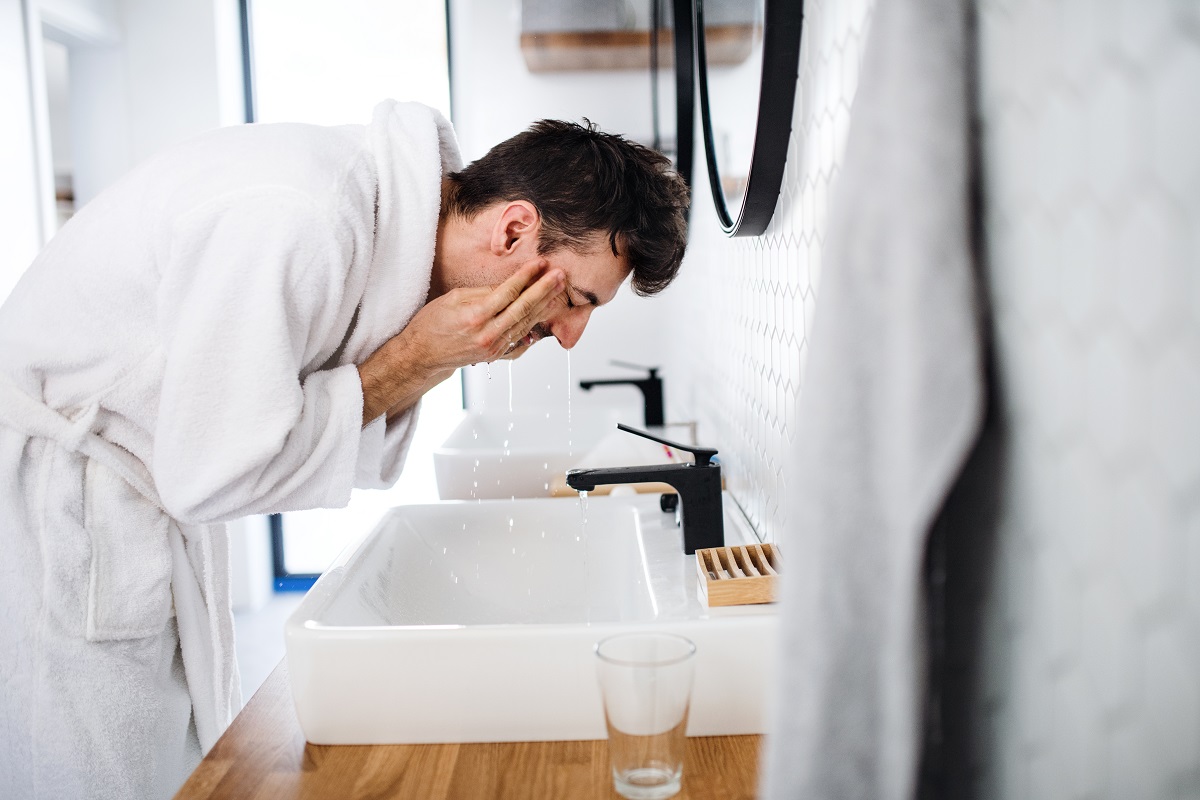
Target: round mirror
{"type": "Point", "coordinates": [747, 55]}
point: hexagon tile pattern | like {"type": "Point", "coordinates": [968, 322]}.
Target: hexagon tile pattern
{"type": "Point", "coordinates": [742, 309]}
{"type": "Point", "coordinates": [1087, 627]}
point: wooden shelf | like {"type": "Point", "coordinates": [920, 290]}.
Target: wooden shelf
{"type": "Point", "coordinates": [566, 51]}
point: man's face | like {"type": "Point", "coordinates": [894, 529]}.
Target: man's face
{"type": "Point", "coordinates": [593, 278]}
{"type": "Point", "coordinates": [489, 248]}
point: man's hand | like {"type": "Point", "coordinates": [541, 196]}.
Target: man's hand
{"type": "Point", "coordinates": [463, 326]}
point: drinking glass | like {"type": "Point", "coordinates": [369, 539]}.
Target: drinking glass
{"type": "Point", "coordinates": [646, 686]}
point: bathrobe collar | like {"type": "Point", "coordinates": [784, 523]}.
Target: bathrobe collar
{"type": "Point", "coordinates": [414, 147]}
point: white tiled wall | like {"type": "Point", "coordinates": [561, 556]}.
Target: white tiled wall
{"type": "Point", "coordinates": [1087, 611]}
{"type": "Point", "coordinates": [742, 308]}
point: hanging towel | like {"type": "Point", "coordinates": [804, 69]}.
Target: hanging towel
{"type": "Point", "coordinates": [892, 403]}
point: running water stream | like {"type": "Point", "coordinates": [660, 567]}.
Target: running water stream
{"type": "Point", "coordinates": [570, 442]}
{"type": "Point", "coordinates": [546, 465]}
{"type": "Point", "coordinates": [587, 561]}
{"type": "Point", "coordinates": [583, 509]}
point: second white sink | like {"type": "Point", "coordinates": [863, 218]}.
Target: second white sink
{"type": "Point", "coordinates": [494, 456]}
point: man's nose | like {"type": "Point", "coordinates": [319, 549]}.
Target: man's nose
{"type": "Point", "coordinates": [569, 327]}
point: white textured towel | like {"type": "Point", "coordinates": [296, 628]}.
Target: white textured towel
{"type": "Point", "coordinates": [182, 354]}
{"type": "Point", "coordinates": [892, 403]}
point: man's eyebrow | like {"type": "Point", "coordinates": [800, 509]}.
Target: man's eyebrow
{"type": "Point", "coordinates": [589, 296]}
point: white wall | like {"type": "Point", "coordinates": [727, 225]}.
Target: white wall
{"type": "Point", "coordinates": [171, 55]}
{"type": "Point", "coordinates": [56, 59]}
{"type": "Point", "coordinates": [741, 372]}
{"type": "Point", "coordinates": [495, 97]}
{"type": "Point", "coordinates": [175, 71]}
{"type": "Point", "coordinates": [82, 21]}
{"type": "Point", "coordinates": [20, 215]}
{"type": "Point", "coordinates": [143, 74]}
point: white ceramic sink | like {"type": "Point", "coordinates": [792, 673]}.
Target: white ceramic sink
{"type": "Point", "coordinates": [475, 622]}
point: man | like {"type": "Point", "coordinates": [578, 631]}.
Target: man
{"type": "Point", "coordinates": [245, 324]}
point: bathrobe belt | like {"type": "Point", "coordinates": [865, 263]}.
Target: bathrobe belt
{"type": "Point", "coordinates": [194, 617]}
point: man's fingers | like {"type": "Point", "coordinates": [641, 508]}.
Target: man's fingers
{"type": "Point", "coordinates": [521, 313]}
{"type": "Point", "coordinates": [507, 293]}
{"type": "Point", "coordinates": [522, 325]}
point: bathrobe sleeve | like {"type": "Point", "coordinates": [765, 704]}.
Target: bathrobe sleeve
{"type": "Point", "coordinates": [382, 449]}
{"type": "Point", "coordinates": [250, 289]}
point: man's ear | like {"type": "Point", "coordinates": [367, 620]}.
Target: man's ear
{"type": "Point", "coordinates": [519, 222]}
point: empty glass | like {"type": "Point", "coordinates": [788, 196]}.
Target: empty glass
{"type": "Point", "coordinates": [646, 686]}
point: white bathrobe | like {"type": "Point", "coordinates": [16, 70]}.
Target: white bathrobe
{"type": "Point", "coordinates": [182, 354]}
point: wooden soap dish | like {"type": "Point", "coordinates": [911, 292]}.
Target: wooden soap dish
{"type": "Point", "coordinates": [735, 576]}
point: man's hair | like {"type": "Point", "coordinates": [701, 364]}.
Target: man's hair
{"type": "Point", "coordinates": [583, 182]}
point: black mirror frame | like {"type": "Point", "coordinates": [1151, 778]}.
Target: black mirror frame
{"type": "Point", "coordinates": [685, 89]}
{"type": "Point", "coordinates": [782, 25]}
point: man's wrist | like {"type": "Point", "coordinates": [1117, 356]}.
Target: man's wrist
{"type": "Point", "coordinates": [393, 379]}
{"type": "Point", "coordinates": [374, 403]}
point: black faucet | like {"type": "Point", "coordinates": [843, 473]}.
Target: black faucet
{"type": "Point", "coordinates": [699, 485]}
{"type": "Point", "coordinates": [651, 386]}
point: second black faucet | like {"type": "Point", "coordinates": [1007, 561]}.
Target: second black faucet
{"type": "Point", "coordinates": [651, 386]}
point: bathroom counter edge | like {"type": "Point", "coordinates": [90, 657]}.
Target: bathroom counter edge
{"type": "Point", "coordinates": [264, 754]}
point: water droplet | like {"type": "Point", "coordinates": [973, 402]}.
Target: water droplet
{"type": "Point", "coordinates": [477, 462]}
{"type": "Point", "coordinates": [545, 465]}
{"type": "Point", "coordinates": [546, 486]}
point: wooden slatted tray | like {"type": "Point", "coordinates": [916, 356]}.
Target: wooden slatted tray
{"type": "Point", "coordinates": [735, 576]}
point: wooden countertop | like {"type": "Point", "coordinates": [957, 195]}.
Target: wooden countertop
{"type": "Point", "coordinates": [264, 755]}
